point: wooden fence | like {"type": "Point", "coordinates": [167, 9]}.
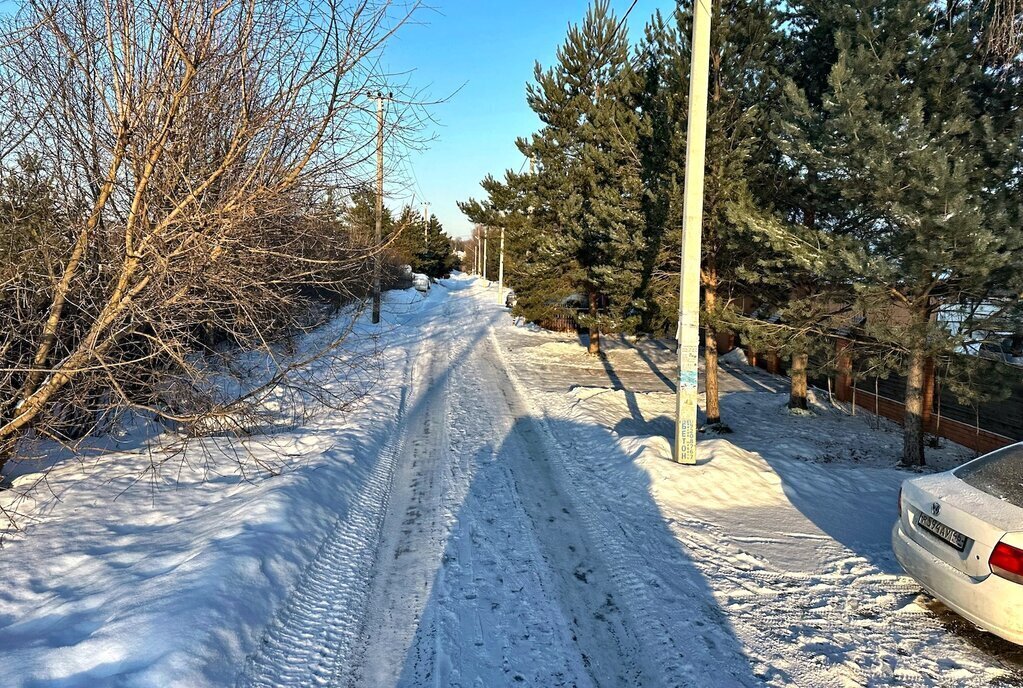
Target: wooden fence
{"type": "Point", "coordinates": [560, 323]}
{"type": "Point", "coordinates": [983, 427]}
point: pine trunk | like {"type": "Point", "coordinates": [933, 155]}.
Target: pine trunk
{"type": "Point", "coordinates": [800, 359]}
{"type": "Point", "coordinates": [594, 345]}
{"type": "Point", "coordinates": [913, 423]}
{"type": "Point", "coordinates": [710, 355]}
{"type": "Point", "coordinates": [797, 374]}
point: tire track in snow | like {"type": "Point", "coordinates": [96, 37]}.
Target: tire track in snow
{"type": "Point", "coordinates": [504, 588]}
{"type": "Point", "coordinates": [662, 658]}
{"type": "Point", "coordinates": [315, 629]}
{"type": "Point", "coordinates": [412, 537]}
{"type": "Point", "coordinates": [577, 582]}
{"type": "Point", "coordinates": [509, 583]}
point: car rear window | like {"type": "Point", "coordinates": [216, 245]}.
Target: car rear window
{"type": "Point", "coordinates": [1000, 474]}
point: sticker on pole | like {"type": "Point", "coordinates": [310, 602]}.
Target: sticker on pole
{"type": "Point", "coordinates": [687, 379]}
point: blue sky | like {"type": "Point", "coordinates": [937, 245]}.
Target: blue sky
{"type": "Point", "coordinates": [490, 46]}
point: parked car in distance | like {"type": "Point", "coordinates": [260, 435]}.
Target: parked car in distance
{"type": "Point", "coordinates": [421, 282]}
{"type": "Point", "coordinates": [577, 302]}
{"type": "Point", "coordinates": [1006, 349]}
{"type": "Point", "coordinates": [960, 535]}
{"type": "Point", "coordinates": [510, 299]}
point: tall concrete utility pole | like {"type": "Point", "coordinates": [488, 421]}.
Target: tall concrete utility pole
{"type": "Point", "coordinates": [380, 206]}
{"type": "Point", "coordinates": [426, 227]}
{"type": "Point", "coordinates": [485, 255]}
{"type": "Point", "coordinates": [500, 271]}
{"type": "Point", "coordinates": [479, 262]}
{"type": "Point", "coordinates": [692, 228]}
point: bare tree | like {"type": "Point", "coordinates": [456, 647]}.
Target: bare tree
{"type": "Point", "coordinates": [1004, 35]}
{"type": "Point", "coordinates": [181, 152]}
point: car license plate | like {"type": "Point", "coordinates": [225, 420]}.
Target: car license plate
{"type": "Point", "coordinates": [942, 532]}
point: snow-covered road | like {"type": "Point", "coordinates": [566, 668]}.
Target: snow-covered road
{"type": "Point", "coordinates": [484, 575]}
{"type": "Point", "coordinates": [499, 511]}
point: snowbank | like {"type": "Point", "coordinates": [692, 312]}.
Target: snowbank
{"type": "Point", "coordinates": [129, 577]}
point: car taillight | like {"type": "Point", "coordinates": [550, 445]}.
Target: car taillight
{"type": "Point", "coordinates": [1007, 561]}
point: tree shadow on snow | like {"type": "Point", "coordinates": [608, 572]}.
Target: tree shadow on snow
{"type": "Point", "coordinates": [642, 349]}
{"type": "Point", "coordinates": [855, 505]}
{"type": "Point", "coordinates": [848, 503]}
{"type": "Point", "coordinates": [617, 384]}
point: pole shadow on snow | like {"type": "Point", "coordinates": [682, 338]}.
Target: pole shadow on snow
{"type": "Point", "coordinates": [830, 495]}
{"type": "Point", "coordinates": [552, 549]}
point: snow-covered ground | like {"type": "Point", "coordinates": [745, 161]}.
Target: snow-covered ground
{"type": "Point", "coordinates": [123, 576]}
{"type": "Point", "coordinates": [770, 559]}
{"type": "Point", "coordinates": [499, 510]}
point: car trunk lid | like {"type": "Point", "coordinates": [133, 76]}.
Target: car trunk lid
{"type": "Point", "coordinates": [938, 509]}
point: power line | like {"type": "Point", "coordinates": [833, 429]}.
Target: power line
{"type": "Point", "coordinates": [415, 178]}
{"type": "Point", "coordinates": [625, 16]}
{"type": "Point", "coordinates": [618, 26]}
{"type": "Point", "coordinates": [614, 34]}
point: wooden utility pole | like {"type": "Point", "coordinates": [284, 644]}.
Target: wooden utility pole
{"type": "Point", "coordinates": [380, 206]}
{"type": "Point", "coordinates": [692, 227]}
{"type": "Point", "coordinates": [500, 271]}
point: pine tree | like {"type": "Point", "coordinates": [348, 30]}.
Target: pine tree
{"type": "Point", "coordinates": [587, 191]}
{"type": "Point", "coordinates": [405, 240]}
{"type": "Point", "coordinates": [360, 216]}
{"type": "Point", "coordinates": [740, 229]}
{"type": "Point", "coordinates": [814, 295]}
{"type": "Point", "coordinates": [436, 259]}
{"type": "Point", "coordinates": [507, 207]}
{"type": "Point", "coordinates": [921, 140]}
{"type": "Point", "coordinates": [660, 86]}
{"type": "Point", "coordinates": [423, 245]}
